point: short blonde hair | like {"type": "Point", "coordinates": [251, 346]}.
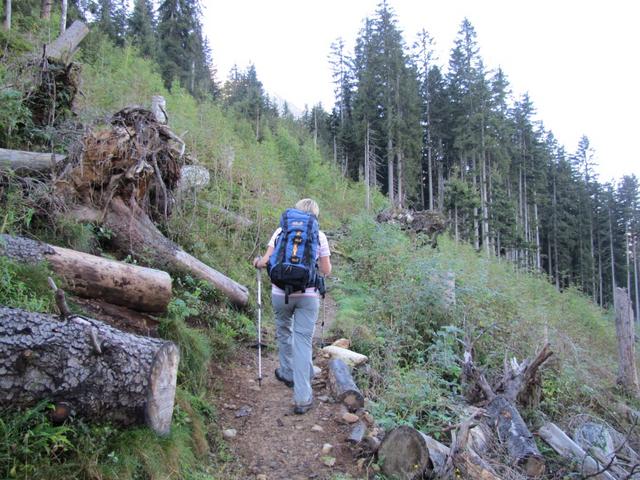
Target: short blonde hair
{"type": "Point", "coordinates": [308, 205]}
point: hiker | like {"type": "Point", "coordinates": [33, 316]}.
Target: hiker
{"type": "Point", "coordinates": [296, 312]}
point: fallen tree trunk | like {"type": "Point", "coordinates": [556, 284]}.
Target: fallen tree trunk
{"type": "Point", "coordinates": [63, 47]}
{"type": "Point", "coordinates": [139, 288]}
{"type": "Point", "coordinates": [504, 417]}
{"type": "Point", "coordinates": [135, 234]}
{"type": "Point", "coordinates": [514, 432]}
{"type": "Point", "coordinates": [24, 163]}
{"type": "Point", "coordinates": [342, 386]}
{"type": "Point", "coordinates": [97, 371]}
{"type": "Point", "coordinates": [567, 448]}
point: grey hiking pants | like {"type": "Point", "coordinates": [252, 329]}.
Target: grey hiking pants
{"type": "Point", "coordinates": [295, 323]}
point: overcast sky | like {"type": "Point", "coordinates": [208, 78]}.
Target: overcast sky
{"type": "Point", "coordinates": [578, 60]}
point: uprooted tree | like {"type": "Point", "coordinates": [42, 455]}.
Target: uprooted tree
{"type": "Point", "coordinates": [123, 177]}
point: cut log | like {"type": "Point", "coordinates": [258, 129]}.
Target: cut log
{"type": "Point", "coordinates": [127, 379]}
{"type": "Point", "coordinates": [63, 47]}
{"type": "Point", "coordinates": [625, 332]}
{"type": "Point", "coordinates": [24, 163]}
{"type": "Point", "coordinates": [139, 288]}
{"type": "Point", "coordinates": [407, 453]}
{"type": "Point", "coordinates": [404, 453]}
{"type": "Point", "coordinates": [135, 234]}
{"type": "Point", "coordinates": [514, 432]}
{"type": "Point", "coordinates": [567, 448]}
{"type": "Point", "coordinates": [347, 356]}
{"type": "Point", "coordinates": [342, 386]}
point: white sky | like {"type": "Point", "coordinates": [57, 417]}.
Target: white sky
{"type": "Point", "coordinates": [577, 59]}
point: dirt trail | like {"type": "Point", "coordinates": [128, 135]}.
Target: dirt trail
{"type": "Point", "coordinates": [271, 440]}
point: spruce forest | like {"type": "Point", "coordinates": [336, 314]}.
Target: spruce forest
{"type": "Point", "coordinates": [484, 299]}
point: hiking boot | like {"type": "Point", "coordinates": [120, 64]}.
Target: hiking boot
{"type": "Point", "coordinates": [302, 409]}
{"type": "Point", "coordinates": [288, 383]}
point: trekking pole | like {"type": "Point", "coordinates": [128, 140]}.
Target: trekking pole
{"type": "Point", "coordinates": [324, 315]}
{"type": "Point", "coordinates": [259, 279]}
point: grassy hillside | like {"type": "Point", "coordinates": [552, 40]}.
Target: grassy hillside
{"type": "Point", "coordinates": [388, 285]}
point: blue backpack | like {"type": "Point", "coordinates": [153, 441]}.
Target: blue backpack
{"type": "Point", "coordinates": [292, 265]}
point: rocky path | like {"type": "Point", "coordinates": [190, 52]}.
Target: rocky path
{"type": "Point", "coordinates": [270, 441]}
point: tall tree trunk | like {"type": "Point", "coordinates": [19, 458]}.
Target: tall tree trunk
{"type": "Point", "coordinates": [455, 215]}
{"type": "Point", "coordinates": [390, 182]}
{"type": "Point", "coordinates": [315, 128]}
{"type": "Point", "coordinates": [45, 9]}
{"type": "Point", "coordinates": [476, 228]}
{"type": "Point", "coordinates": [63, 17]}
{"type": "Point", "coordinates": [613, 265]}
{"type": "Point", "coordinates": [440, 179]}
{"type": "Point", "coordinates": [626, 251]}
{"type": "Point", "coordinates": [400, 186]}
{"type": "Point", "coordinates": [635, 275]}
{"type": "Point", "coordinates": [555, 234]}
{"type": "Point", "coordinates": [6, 23]}
{"type": "Point", "coordinates": [483, 196]}
{"type": "Point", "coordinates": [367, 171]}
{"type": "Point", "coordinates": [430, 171]}
{"type": "Point", "coordinates": [535, 219]}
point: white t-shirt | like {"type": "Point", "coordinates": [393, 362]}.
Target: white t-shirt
{"type": "Point", "coordinates": [323, 251]}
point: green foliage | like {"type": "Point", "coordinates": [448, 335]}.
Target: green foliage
{"type": "Point", "coordinates": [31, 447]}
{"type": "Point", "coordinates": [195, 350]}
{"type": "Point", "coordinates": [25, 286]}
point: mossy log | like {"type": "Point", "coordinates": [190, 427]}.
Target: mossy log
{"type": "Point", "coordinates": [90, 368]}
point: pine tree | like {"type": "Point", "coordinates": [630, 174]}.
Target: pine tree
{"type": "Point", "coordinates": [142, 28]}
{"type": "Point", "coordinates": [183, 53]}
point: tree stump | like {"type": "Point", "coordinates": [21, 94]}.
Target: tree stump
{"type": "Point", "coordinates": [101, 373]}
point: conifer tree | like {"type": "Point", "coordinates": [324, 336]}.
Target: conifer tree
{"type": "Point", "coordinates": [142, 28]}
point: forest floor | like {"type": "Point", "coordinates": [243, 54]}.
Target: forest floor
{"type": "Point", "coordinates": [271, 441]}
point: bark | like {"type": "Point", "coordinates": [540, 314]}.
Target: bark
{"type": "Point", "coordinates": [100, 372]}
{"type": "Point", "coordinates": [119, 317]}
{"type": "Point", "coordinates": [66, 44]}
{"type": "Point", "coordinates": [63, 16]}
{"type": "Point", "coordinates": [342, 386]}
{"type": "Point", "coordinates": [6, 22]}
{"type": "Point", "coordinates": [625, 332]}
{"type": "Point", "coordinates": [135, 234]}
{"type": "Point", "coordinates": [570, 450]}
{"type": "Point", "coordinates": [132, 286]}
{"type": "Point", "coordinates": [613, 262]}
{"type": "Point", "coordinates": [45, 9]}
{"type": "Point", "coordinates": [514, 432]}
{"type": "Point", "coordinates": [24, 163]}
